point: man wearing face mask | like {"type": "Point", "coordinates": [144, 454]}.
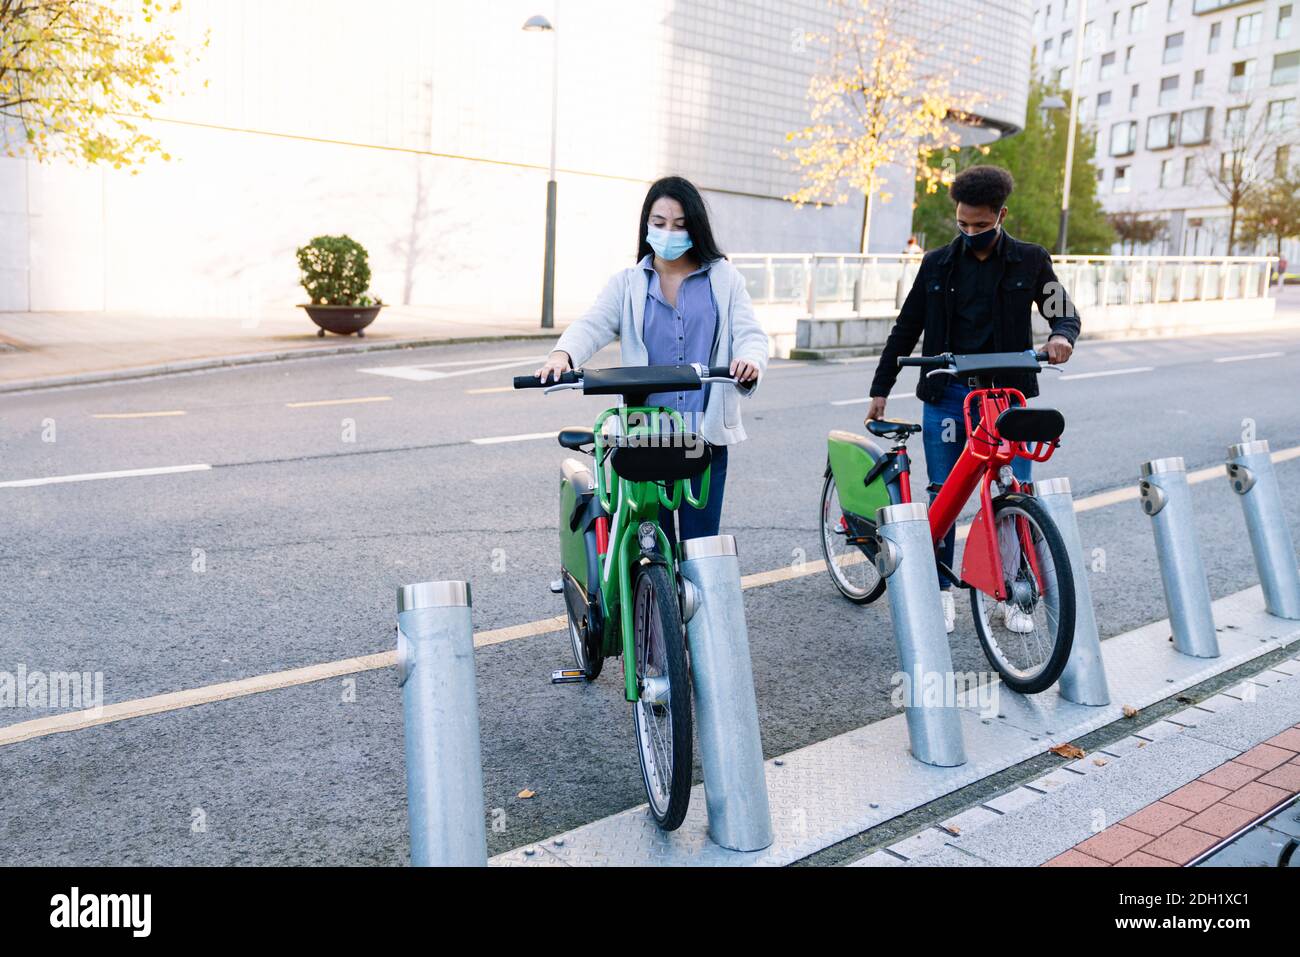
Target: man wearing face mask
{"type": "Point", "coordinates": [974, 295]}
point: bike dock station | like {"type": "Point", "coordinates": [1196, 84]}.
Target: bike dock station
{"type": "Point", "coordinates": [772, 813]}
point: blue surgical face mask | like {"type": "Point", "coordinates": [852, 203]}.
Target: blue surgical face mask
{"type": "Point", "coordinates": [668, 244]}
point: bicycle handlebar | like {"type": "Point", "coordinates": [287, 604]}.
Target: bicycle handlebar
{"type": "Point", "coordinates": [947, 360]}
{"type": "Point", "coordinates": [532, 382]}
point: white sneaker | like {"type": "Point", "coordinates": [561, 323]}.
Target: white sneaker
{"type": "Point", "coordinates": [949, 610]}
{"type": "Point", "coordinates": [1016, 620]}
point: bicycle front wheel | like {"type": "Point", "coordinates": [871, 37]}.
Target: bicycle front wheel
{"type": "Point", "coordinates": [662, 713]}
{"type": "Point", "coordinates": [1028, 637]}
{"type": "Point", "coordinates": [851, 571]}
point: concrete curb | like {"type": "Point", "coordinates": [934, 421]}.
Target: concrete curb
{"type": "Point", "coordinates": [250, 358]}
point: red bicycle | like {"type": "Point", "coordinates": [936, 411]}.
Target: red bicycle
{"type": "Point", "coordinates": [1014, 562]}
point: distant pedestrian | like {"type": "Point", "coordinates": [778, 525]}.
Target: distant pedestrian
{"type": "Point", "coordinates": [913, 247]}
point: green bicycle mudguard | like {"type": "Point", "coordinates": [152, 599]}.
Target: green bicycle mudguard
{"type": "Point", "coordinates": [577, 488]}
{"type": "Point", "coordinates": [851, 457]}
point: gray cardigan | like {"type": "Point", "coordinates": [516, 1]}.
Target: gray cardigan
{"type": "Point", "coordinates": [619, 312]}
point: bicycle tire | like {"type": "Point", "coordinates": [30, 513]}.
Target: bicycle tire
{"type": "Point", "coordinates": [655, 599]}
{"type": "Point", "coordinates": [865, 594]}
{"type": "Point", "coordinates": [1063, 637]}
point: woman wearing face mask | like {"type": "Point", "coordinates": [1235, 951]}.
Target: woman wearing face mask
{"type": "Point", "coordinates": [681, 303]}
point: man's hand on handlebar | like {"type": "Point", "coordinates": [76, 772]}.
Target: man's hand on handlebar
{"type": "Point", "coordinates": [557, 363]}
{"type": "Point", "coordinates": [744, 371]}
{"type": "Point", "coordinates": [876, 410]}
{"type": "Point", "coordinates": [1058, 350]}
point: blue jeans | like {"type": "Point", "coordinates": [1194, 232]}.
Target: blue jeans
{"type": "Point", "coordinates": [700, 522]}
{"type": "Point", "coordinates": [943, 445]}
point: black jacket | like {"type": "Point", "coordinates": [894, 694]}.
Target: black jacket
{"type": "Point", "coordinates": [1027, 279]}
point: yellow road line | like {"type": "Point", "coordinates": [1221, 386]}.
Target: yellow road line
{"type": "Point", "coordinates": [136, 415]}
{"type": "Point", "coordinates": [207, 694]}
{"type": "Point", "coordinates": [490, 390]}
{"type": "Point", "coordinates": [320, 402]}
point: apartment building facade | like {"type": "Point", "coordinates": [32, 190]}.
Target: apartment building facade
{"type": "Point", "coordinates": [1170, 87]}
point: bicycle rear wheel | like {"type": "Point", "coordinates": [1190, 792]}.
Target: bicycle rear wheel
{"type": "Point", "coordinates": [662, 713]}
{"type": "Point", "coordinates": [851, 571]}
{"type": "Point", "coordinates": [1031, 645]}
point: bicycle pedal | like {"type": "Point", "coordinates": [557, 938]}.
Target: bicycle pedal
{"type": "Point", "coordinates": [567, 676]}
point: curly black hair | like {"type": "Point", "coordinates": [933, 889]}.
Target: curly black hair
{"type": "Point", "coordinates": [982, 186]}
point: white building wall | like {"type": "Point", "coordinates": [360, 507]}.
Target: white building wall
{"type": "Point", "coordinates": [423, 130]}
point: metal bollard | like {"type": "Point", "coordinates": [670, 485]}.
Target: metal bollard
{"type": "Point", "coordinates": [1167, 498]}
{"type": "Point", "coordinates": [906, 558]}
{"type": "Point", "coordinates": [444, 772]}
{"type": "Point", "coordinates": [1084, 679]}
{"type": "Point", "coordinates": [726, 710]}
{"type": "Point", "coordinates": [1250, 472]}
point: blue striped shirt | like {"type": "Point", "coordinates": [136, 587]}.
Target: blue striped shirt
{"type": "Point", "coordinates": [680, 335]}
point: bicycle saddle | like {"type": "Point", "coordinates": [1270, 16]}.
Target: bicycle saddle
{"type": "Point", "coordinates": [884, 427]}
{"type": "Point", "coordinates": [575, 438]}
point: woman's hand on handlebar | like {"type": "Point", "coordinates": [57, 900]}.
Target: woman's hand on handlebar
{"type": "Point", "coordinates": [876, 410]}
{"type": "Point", "coordinates": [744, 371]}
{"type": "Point", "coordinates": [557, 363]}
{"type": "Point", "coordinates": [1058, 350]}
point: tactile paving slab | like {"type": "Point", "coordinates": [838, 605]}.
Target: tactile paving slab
{"type": "Point", "coordinates": [830, 791]}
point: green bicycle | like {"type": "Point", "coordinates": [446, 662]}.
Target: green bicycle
{"type": "Point", "coordinates": [618, 573]}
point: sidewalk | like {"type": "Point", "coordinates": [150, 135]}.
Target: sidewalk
{"type": "Point", "coordinates": [61, 347]}
{"type": "Point", "coordinates": [1164, 796]}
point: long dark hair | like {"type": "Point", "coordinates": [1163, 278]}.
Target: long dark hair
{"type": "Point", "coordinates": [703, 248]}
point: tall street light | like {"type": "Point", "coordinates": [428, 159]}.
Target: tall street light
{"type": "Point", "coordinates": [1063, 229]}
{"type": "Point", "coordinates": [539, 24]}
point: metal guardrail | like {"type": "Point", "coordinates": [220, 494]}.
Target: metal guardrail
{"type": "Point", "coordinates": [878, 282]}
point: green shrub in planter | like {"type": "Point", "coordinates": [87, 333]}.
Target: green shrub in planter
{"type": "Point", "coordinates": [336, 272]}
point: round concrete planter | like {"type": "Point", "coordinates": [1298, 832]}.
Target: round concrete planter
{"type": "Point", "coordinates": [341, 320]}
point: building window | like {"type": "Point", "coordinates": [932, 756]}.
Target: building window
{"type": "Point", "coordinates": [1242, 73]}
{"type": "Point", "coordinates": [1194, 126]}
{"type": "Point", "coordinates": [1282, 162]}
{"type": "Point", "coordinates": [1101, 176]}
{"type": "Point", "coordinates": [1281, 114]}
{"type": "Point", "coordinates": [1286, 68]}
{"type": "Point", "coordinates": [1123, 138]}
{"type": "Point", "coordinates": [1133, 97]}
{"type": "Point", "coordinates": [1171, 11]}
{"type": "Point", "coordinates": [1047, 48]}
{"type": "Point", "coordinates": [1216, 31]}
{"type": "Point", "coordinates": [1162, 131]}
{"type": "Point", "coordinates": [1137, 17]}
{"type": "Point", "coordinates": [1234, 123]}
{"type": "Point", "coordinates": [1121, 181]}
{"type": "Point", "coordinates": [1173, 48]}
{"type": "Point", "coordinates": [1062, 77]}
{"type": "Point", "coordinates": [1168, 91]}
{"type": "Point", "coordinates": [1066, 37]}
{"type": "Point", "coordinates": [1250, 27]}
{"type": "Point", "coordinates": [1198, 84]}
{"type": "Point", "coordinates": [1283, 21]}
{"type": "Point", "coordinates": [1103, 103]}
{"type": "Point", "coordinates": [1166, 173]}
{"type": "Point", "coordinates": [1189, 171]}
{"type": "Point", "coordinates": [1085, 69]}
{"type": "Point", "coordinates": [1107, 68]}
{"type": "Point", "coordinates": [1114, 25]}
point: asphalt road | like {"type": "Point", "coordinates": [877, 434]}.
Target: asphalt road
{"type": "Point", "coordinates": [286, 552]}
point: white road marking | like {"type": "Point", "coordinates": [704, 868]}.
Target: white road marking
{"type": "Point", "coordinates": [96, 476]}
{"type": "Point", "coordinates": [317, 403]}
{"type": "Point", "coordinates": [901, 395]}
{"type": "Point", "coordinates": [136, 415]}
{"type": "Point", "coordinates": [525, 437]}
{"type": "Point", "coordinates": [206, 694]}
{"type": "Point", "coordinates": [1106, 372]}
{"type": "Point", "coordinates": [424, 372]}
{"type": "Point", "coordinates": [1257, 355]}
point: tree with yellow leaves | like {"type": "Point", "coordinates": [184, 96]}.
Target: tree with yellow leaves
{"type": "Point", "coordinates": [877, 99]}
{"type": "Point", "coordinates": [76, 76]}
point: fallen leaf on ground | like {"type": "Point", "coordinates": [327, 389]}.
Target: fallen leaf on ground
{"type": "Point", "coordinates": [1100, 762]}
{"type": "Point", "coordinates": [1067, 750]}
{"type": "Point", "coordinates": [526, 794]}
{"type": "Point", "coordinates": [952, 829]}
{"type": "Point", "coordinates": [1130, 711]}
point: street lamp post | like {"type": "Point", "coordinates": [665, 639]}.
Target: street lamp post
{"type": "Point", "coordinates": [539, 24]}
{"type": "Point", "coordinates": [1063, 229]}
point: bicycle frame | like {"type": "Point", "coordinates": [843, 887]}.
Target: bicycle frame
{"type": "Point", "coordinates": [629, 504]}
{"type": "Point", "coordinates": [981, 461]}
